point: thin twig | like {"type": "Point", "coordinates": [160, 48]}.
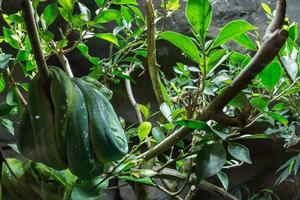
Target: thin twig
{"type": "Point", "coordinates": [12, 80]}
{"type": "Point", "coordinates": [131, 97]}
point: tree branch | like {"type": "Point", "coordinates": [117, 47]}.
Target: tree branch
{"type": "Point", "coordinates": [131, 97]}
{"type": "Point", "coordinates": [269, 49]}
{"type": "Point", "coordinates": [151, 58]}
{"type": "Point", "coordinates": [35, 39]}
{"type": "Point", "coordinates": [168, 173]}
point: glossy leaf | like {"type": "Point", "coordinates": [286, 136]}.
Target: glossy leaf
{"type": "Point", "coordinates": [210, 160]}
{"type": "Point", "coordinates": [214, 59]}
{"type": "Point", "coordinates": [245, 41]}
{"type": "Point", "coordinates": [193, 124]}
{"type": "Point", "coordinates": [279, 118]}
{"type": "Point", "coordinates": [8, 35]}
{"type": "Point", "coordinates": [108, 37]}
{"type": "Point", "coordinates": [144, 130]}
{"type": "Point", "coordinates": [199, 14]}
{"type": "Point", "coordinates": [99, 2]}
{"type": "Point", "coordinates": [259, 103]}
{"type": "Point", "coordinates": [293, 31]}
{"type": "Point", "coordinates": [231, 31]}
{"type": "Point", "coordinates": [85, 11]}
{"type": "Point", "coordinates": [67, 4]}
{"type": "Point", "coordinates": [133, 2]}
{"type": "Point", "coordinates": [291, 66]}
{"type": "Point", "coordinates": [239, 152]}
{"type": "Point", "coordinates": [144, 110]}
{"type": "Point", "coordinates": [158, 134]}
{"type": "Point", "coordinates": [239, 101]}
{"type": "Point", "coordinates": [224, 179]}
{"type": "Point", "coordinates": [89, 190]}
{"type": "Point", "coordinates": [267, 8]}
{"type": "Point", "coordinates": [183, 42]}
{"type": "Point", "coordinates": [270, 75]}
{"type": "Point", "coordinates": [8, 125]}
{"type": "Point", "coordinates": [50, 13]}
{"type": "Point", "coordinates": [166, 111]}
{"type": "Point", "coordinates": [2, 83]}
{"type": "Point", "coordinates": [4, 60]}
{"type": "Point", "coordinates": [108, 16]}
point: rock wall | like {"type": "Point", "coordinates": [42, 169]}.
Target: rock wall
{"type": "Point", "coordinates": [226, 10]}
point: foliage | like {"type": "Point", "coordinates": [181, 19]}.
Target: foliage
{"type": "Point", "coordinates": [272, 97]}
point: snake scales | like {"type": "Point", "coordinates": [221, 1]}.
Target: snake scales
{"type": "Point", "coordinates": [70, 123]}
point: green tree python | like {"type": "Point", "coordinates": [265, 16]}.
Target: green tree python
{"type": "Point", "coordinates": [71, 124]}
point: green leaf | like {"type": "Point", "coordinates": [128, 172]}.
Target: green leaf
{"type": "Point", "coordinates": [210, 160]}
{"type": "Point", "coordinates": [279, 106]}
{"type": "Point", "coordinates": [132, 2]}
{"type": "Point", "coordinates": [11, 98]}
{"type": "Point", "coordinates": [279, 118]}
{"type": "Point", "coordinates": [8, 125]}
{"type": "Point", "coordinates": [126, 13]}
{"type": "Point", "coordinates": [65, 13]}
{"type": "Point", "coordinates": [8, 35]}
{"type": "Point", "coordinates": [108, 37]}
{"type": "Point", "coordinates": [99, 2]}
{"type": "Point", "coordinates": [67, 4]}
{"type": "Point", "coordinates": [89, 190]}
{"type": "Point", "coordinates": [231, 31]}
{"type": "Point", "coordinates": [239, 152]}
{"type": "Point", "coordinates": [144, 130]}
{"type": "Point", "coordinates": [144, 110]}
{"type": "Point", "coordinates": [291, 66]}
{"type": "Point", "coordinates": [224, 179]}
{"type": "Point", "coordinates": [267, 8]}
{"type": "Point", "coordinates": [145, 180]}
{"type": "Point", "coordinates": [270, 75]}
{"type": "Point", "coordinates": [166, 111]}
{"type": "Point", "coordinates": [293, 31]}
{"type": "Point", "coordinates": [199, 14]}
{"type": "Point", "coordinates": [173, 5]}
{"type": "Point", "coordinates": [85, 11]}
{"type": "Point", "coordinates": [4, 60]}
{"type": "Point", "coordinates": [5, 109]}
{"type": "Point", "coordinates": [137, 12]}
{"type": "Point", "coordinates": [50, 13]}
{"type": "Point", "coordinates": [245, 41]}
{"type": "Point", "coordinates": [23, 55]}
{"type": "Point", "coordinates": [260, 103]}
{"type": "Point", "coordinates": [239, 101]}
{"type": "Point", "coordinates": [183, 42]}
{"type": "Point", "coordinates": [2, 83]}
{"type": "Point", "coordinates": [214, 59]}
{"type": "Point", "coordinates": [108, 16]}
{"type": "Point", "coordinates": [193, 124]}
{"type": "Point", "coordinates": [158, 134]}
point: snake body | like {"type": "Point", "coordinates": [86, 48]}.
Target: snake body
{"type": "Point", "coordinates": [71, 124]}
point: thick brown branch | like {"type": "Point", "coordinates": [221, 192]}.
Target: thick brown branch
{"type": "Point", "coordinates": [151, 58]}
{"type": "Point", "coordinates": [35, 39]}
{"type": "Point", "coordinates": [278, 19]}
